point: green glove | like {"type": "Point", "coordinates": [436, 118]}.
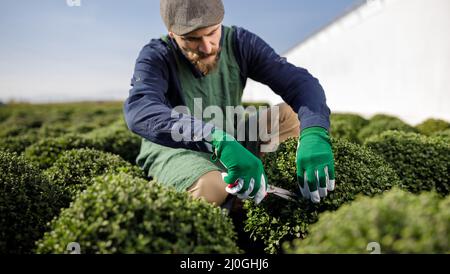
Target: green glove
{"type": "Point", "coordinates": [315, 163]}
{"type": "Point", "coordinates": [245, 173]}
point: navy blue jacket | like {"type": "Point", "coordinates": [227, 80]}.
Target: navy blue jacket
{"type": "Point", "coordinates": [156, 89]}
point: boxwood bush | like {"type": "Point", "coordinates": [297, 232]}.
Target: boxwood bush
{"type": "Point", "coordinates": [445, 134]}
{"type": "Point", "coordinates": [20, 122]}
{"type": "Point", "coordinates": [117, 139]}
{"type": "Point", "coordinates": [380, 123]}
{"type": "Point", "coordinates": [53, 130]}
{"type": "Point", "coordinates": [74, 169]}
{"type": "Point", "coordinates": [46, 151]}
{"type": "Point", "coordinates": [347, 125]}
{"type": "Point", "coordinates": [52, 120]}
{"type": "Point", "coordinates": [422, 163]}
{"type": "Point", "coordinates": [382, 117]}
{"type": "Point", "coordinates": [358, 171]}
{"type": "Point", "coordinates": [5, 112]}
{"type": "Point", "coordinates": [122, 214]}
{"type": "Point", "coordinates": [27, 202]}
{"type": "Point", "coordinates": [431, 126]}
{"type": "Point", "coordinates": [400, 222]}
{"type": "Point", "coordinates": [17, 143]}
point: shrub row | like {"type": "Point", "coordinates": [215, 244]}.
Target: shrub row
{"type": "Point", "coordinates": [27, 202]}
{"type": "Point", "coordinates": [431, 126]}
{"type": "Point", "coordinates": [358, 171]}
{"type": "Point", "coordinates": [116, 139]}
{"type": "Point", "coordinates": [380, 123]}
{"type": "Point", "coordinates": [74, 169]}
{"type": "Point", "coordinates": [422, 163]}
{"type": "Point", "coordinates": [55, 120]}
{"type": "Point", "coordinates": [400, 222]}
{"type": "Point", "coordinates": [46, 151]}
{"type": "Point", "coordinates": [122, 214]}
{"type": "Point", "coordinates": [347, 126]}
{"type": "Point", "coordinates": [445, 134]}
{"type": "Point", "coordinates": [17, 143]}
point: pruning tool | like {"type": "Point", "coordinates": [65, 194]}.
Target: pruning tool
{"type": "Point", "coordinates": [282, 193]}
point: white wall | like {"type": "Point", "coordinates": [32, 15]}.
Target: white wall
{"type": "Point", "coordinates": [387, 56]}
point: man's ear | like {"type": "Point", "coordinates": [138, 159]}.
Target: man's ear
{"type": "Point", "coordinates": [171, 35]}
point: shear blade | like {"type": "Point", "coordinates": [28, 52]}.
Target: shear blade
{"type": "Point", "coordinates": [283, 193]}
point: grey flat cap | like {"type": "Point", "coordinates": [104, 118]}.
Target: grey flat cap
{"type": "Point", "coordinates": [184, 16]}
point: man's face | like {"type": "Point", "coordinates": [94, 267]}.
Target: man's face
{"type": "Point", "coordinates": [201, 47]}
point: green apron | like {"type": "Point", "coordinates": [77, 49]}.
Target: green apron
{"type": "Point", "coordinates": [180, 168]}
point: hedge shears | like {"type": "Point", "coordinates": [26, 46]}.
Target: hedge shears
{"type": "Point", "coordinates": [271, 189]}
{"type": "Point", "coordinates": [282, 193]}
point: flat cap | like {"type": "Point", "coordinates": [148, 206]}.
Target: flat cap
{"type": "Point", "coordinates": [184, 16]}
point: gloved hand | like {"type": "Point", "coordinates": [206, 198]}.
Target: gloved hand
{"type": "Point", "coordinates": [246, 177]}
{"type": "Point", "coordinates": [315, 163]}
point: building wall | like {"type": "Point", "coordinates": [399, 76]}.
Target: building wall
{"type": "Point", "coordinates": [386, 56]}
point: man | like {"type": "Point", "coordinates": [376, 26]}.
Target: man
{"type": "Point", "coordinates": [200, 60]}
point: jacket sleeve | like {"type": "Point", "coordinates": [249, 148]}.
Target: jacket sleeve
{"type": "Point", "coordinates": [148, 112]}
{"type": "Point", "coordinates": [296, 86]}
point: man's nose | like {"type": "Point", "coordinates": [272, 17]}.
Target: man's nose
{"type": "Point", "coordinates": [205, 46]}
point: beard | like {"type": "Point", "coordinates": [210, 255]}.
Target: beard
{"type": "Point", "coordinates": [198, 59]}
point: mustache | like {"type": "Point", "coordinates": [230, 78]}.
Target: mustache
{"type": "Point", "coordinates": [197, 55]}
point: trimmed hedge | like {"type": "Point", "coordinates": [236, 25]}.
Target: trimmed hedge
{"type": "Point", "coordinates": [347, 126]}
{"type": "Point", "coordinates": [122, 214]}
{"type": "Point", "coordinates": [400, 222]}
{"type": "Point", "coordinates": [53, 130]}
{"type": "Point", "coordinates": [27, 202]}
{"type": "Point", "coordinates": [4, 113]}
{"type": "Point", "coordinates": [358, 171]}
{"type": "Point", "coordinates": [19, 123]}
{"type": "Point", "coordinates": [18, 143]}
{"type": "Point", "coordinates": [381, 123]}
{"type": "Point", "coordinates": [382, 117]}
{"type": "Point", "coordinates": [47, 151]}
{"type": "Point", "coordinates": [431, 126]}
{"type": "Point", "coordinates": [445, 134]}
{"type": "Point", "coordinates": [74, 170]}
{"type": "Point", "coordinates": [117, 139]}
{"type": "Point", "coordinates": [422, 163]}
{"type": "Point", "coordinates": [54, 120]}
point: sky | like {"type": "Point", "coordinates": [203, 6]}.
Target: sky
{"type": "Point", "coordinates": [51, 51]}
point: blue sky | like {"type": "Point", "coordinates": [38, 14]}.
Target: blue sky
{"type": "Point", "coordinates": [52, 52]}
